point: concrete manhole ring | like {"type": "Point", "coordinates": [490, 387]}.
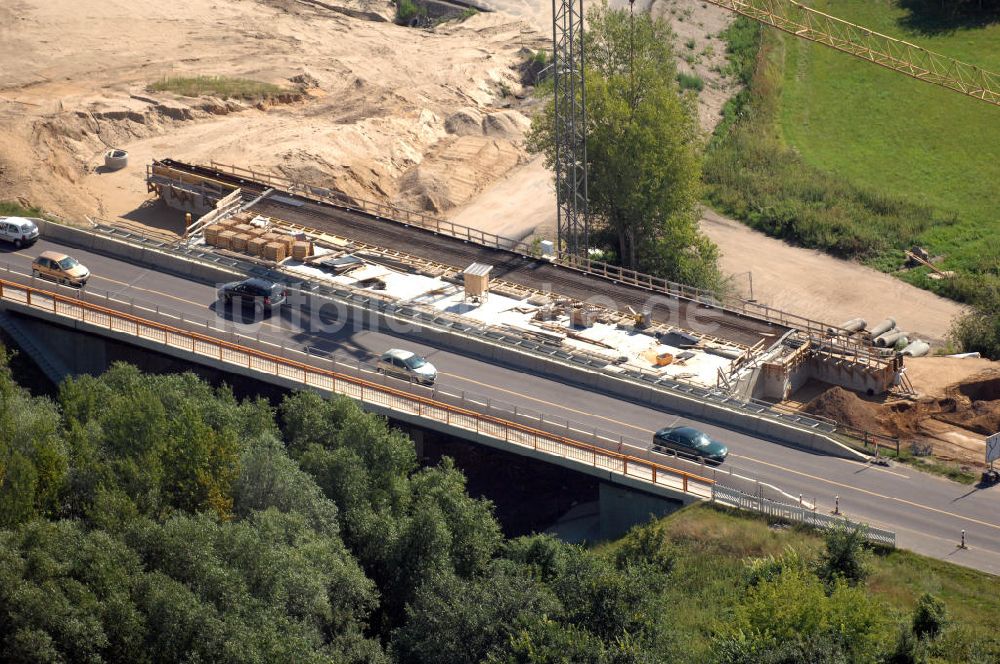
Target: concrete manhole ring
{"type": "Point", "coordinates": [115, 159]}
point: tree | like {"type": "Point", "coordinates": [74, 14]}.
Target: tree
{"type": "Point", "coordinates": [845, 556]}
{"type": "Point", "coordinates": [929, 617]}
{"type": "Point", "coordinates": [643, 149]}
{"type": "Point", "coordinates": [453, 621]}
{"type": "Point", "coordinates": [34, 461]}
{"type": "Point", "coordinates": [794, 617]}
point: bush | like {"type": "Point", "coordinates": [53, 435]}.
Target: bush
{"type": "Point", "coordinates": [407, 11]}
{"type": "Point", "coordinates": [845, 556]}
{"type": "Point", "coordinates": [929, 617]}
{"type": "Point", "coordinates": [979, 329]}
{"type": "Point", "coordinates": [690, 82]}
{"type": "Point", "coordinates": [221, 86]}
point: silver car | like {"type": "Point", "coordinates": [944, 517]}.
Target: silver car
{"type": "Point", "coordinates": [18, 231]}
{"type": "Point", "coordinates": [407, 365]}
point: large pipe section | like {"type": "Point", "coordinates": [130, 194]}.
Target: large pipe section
{"type": "Point", "coordinates": [883, 327]}
{"type": "Point", "coordinates": [917, 348]}
{"type": "Point", "coordinates": [853, 325]}
{"type": "Point", "coordinates": [890, 338]}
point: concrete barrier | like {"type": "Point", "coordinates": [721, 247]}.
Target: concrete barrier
{"type": "Point", "coordinates": [136, 254]}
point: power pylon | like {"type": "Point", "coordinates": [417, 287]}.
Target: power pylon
{"type": "Point", "coordinates": [572, 224]}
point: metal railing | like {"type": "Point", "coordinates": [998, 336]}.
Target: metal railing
{"type": "Point", "coordinates": [798, 514]}
{"type": "Point", "coordinates": [360, 389]}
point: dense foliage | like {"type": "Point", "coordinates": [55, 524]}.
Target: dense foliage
{"type": "Point", "coordinates": [643, 150]}
{"type": "Point", "coordinates": [155, 519]}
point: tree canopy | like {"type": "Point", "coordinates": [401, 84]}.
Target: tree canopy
{"type": "Point", "coordinates": [156, 519]}
{"type": "Point", "coordinates": [643, 150]}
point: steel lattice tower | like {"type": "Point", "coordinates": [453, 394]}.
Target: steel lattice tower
{"type": "Point", "coordinates": [572, 226]}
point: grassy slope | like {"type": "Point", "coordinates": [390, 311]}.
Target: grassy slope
{"type": "Point", "coordinates": [711, 546]}
{"type": "Point", "coordinates": [881, 129]}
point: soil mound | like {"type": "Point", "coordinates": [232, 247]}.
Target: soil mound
{"type": "Point", "coordinates": [464, 122]}
{"type": "Point", "coordinates": [505, 124]}
{"type": "Point", "coordinates": [846, 408]}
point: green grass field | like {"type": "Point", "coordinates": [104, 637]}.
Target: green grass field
{"type": "Point", "coordinates": [221, 86]}
{"type": "Point", "coordinates": [880, 129]}
{"type": "Point", "coordinates": [712, 545]}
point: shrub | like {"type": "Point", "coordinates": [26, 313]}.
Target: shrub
{"type": "Point", "coordinates": [221, 86]}
{"type": "Point", "coordinates": [979, 329]}
{"type": "Point", "coordinates": [929, 617]}
{"type": "Point", "coordinates": [407, 11]}
{"type": "Point", "coordinates": [690, 82]}
{"type": "Point", "coordinates": [845, 556]}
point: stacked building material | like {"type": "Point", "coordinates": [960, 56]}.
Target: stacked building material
{"type": "Point", "coordinates": [302, 250]}
{"type": "Point", "coordinates": [240, 241]}
{"type": "Point", "coordinates": [255, 247]}
{"type": "Point", "coordinates": [212, 234]}
{"type": "Point", "coordinates": [225, 240]}
{"type": "Point", "coordinates": [275, 251]}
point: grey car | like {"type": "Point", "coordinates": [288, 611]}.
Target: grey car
{"type": "Point", "coordinates": [407, 365]}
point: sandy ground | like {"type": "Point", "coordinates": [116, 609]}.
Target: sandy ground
{"type": "Point", "coordinates": [378, 120]}
{"type": "Point", "coordinates": [822, 287]}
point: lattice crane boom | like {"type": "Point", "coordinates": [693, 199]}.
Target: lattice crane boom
{"type": "Point", "coordinates": [889, 52]}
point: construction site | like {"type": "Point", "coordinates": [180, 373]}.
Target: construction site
{"type": "Point", "coordinates": [344, 211]}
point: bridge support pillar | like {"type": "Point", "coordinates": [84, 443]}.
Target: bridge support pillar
{"type": "Point", "coordinates": [623, 508]}
{"type": "Point", "coordinates": [417, 436]}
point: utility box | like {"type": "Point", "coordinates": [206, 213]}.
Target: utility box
{"type": "Point", "coordinates": [477, 280]}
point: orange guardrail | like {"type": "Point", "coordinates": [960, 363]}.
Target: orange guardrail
{"type": "Point", "coordinates": [357, 388]}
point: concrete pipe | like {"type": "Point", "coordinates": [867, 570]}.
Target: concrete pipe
{"type": "Point", "coordinates": [883, 327]}
{"type": "Point", "coordinates": [115, 160]}
{"type": "Point", "coordinates": [890, 338]}
{"type": "Point", "coordinates": [917, 348]}
{"type": "Point", "coordinates": [853, 325]}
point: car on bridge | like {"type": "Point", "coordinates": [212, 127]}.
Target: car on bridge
{"type": "Point", "coordinates": [261, 294]}
{"type": "Point", "coordinates": [689, 442]}
{"type": "Point", "coordinates": [406, 365]}
{"type": "Point", "coordinates": [60, 268]}
{"type": "Point", "coordinates": [18, 231]}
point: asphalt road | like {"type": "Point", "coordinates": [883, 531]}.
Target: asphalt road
{"type": "Point", "coordinates": [927, 513]}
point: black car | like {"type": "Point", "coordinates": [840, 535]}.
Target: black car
{"type": "Point", "coordinates": [689, 442]}
{"type": "Point", "coordinates": [259, 293]}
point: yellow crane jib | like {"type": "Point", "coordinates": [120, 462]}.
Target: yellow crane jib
{"type": "Point", "coordinates": [889, 52]}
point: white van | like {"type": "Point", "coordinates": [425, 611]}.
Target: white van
{"type": "Point", "coordinates": [18, 231]}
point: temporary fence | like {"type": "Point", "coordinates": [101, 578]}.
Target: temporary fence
{"type": "Point", "coordinates": [797, 513]}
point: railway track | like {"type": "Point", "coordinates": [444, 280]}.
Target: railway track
{"type": "Point", "coordinates": [512, 267]}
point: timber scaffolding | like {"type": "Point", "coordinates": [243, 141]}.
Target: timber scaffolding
{"type": "Point", "coordinates": [751, 325]}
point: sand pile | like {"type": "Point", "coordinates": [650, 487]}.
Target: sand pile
{"type": "Point", "coordinates": [845, 408]}
{"type": "Point", "coordinates": [367, 116]}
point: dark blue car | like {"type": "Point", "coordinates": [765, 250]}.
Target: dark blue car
{"type": "Point", "coordinates": [689, 442]}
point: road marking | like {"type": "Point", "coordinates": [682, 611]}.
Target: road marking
{"type": "Point", "coordinates": [147, 290]}
{"type": "Point", "coordinates": [543, 401]}
{"type": "Point", "coordinates": [875, 494]}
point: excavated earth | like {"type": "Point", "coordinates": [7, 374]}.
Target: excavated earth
{"type": "Point", "coordinates": [951, 422]}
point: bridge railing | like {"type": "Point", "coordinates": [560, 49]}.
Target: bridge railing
{"type": "Point", "coordinates": [358, 388]}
